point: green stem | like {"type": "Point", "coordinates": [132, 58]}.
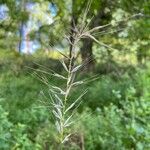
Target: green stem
{"type": "Point", "coordinates": [68, 88]}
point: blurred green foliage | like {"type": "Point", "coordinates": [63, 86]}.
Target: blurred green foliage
{"type": "Point", "coordinates": [114, 113]}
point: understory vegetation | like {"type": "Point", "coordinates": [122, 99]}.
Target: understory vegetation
{"type": "Point", "coordinates": [114, 113]}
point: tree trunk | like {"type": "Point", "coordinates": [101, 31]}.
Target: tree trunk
{"type": "Point", "coordinates": [22, 7]}
{"type": "Point", "coordinates": [86, 49]}
{"type": "Point", "coordinates": [20, 37]}
{"type": "Point", "coordinates": [87, 55]}
{"type": "Point", "coordinates": [72, 32]}
{"type": "Point", "coordinates": [73, 25]}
